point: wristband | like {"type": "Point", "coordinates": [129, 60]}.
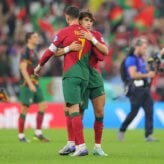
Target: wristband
{"type": "Point", "coordinates": [66, 49]}
{"type": "Point", "coordinates": [94, 41]}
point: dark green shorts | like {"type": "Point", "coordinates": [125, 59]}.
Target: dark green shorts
{"type": "Point", "coordinates": [91, 93]}
{"type": "Point", "coordinates": [27, 97]}
{"type": "Point", "coordinates": [74, 89]}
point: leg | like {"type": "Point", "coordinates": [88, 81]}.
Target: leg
{"type": "Point", "coordinates": [77, 124]}
{"type": "Point", "coordinates": [148, 107]}
{"type": "Point", "coordinates": [25, 96]}
{"type": "Point", "coordinates": [40, 117]}
{"type": "Point", "coordinates": [98, 104]}
{"type": "Point", "coordinates": [21, 123]}
{"type": "Point", "coordinates": [136, 100]}
{"type": "Point", "coordinates": [130, 116]}
{"type": "Point", "coordinates": [72, 89]}
{"type": "Point", "coordinates": [39, 121]}
{"type": "Point", "coordinates": [70, 146]}
{"type": "Point", "coordinates": [39, 99]}
{"type": "Point", "coordinates": [71, 137]}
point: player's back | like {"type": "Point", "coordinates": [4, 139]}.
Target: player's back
{"type": "Point", "coordinates": [76, 63]}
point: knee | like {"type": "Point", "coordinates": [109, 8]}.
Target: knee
{"type": "Point", "coordinates": [99, 112]}
{"type": "Point", "coordinates": [24, 109]}
{"type": "Point", "coordinates": [43, 106]}
{"type": "Point", "coordinates": [133, 114]}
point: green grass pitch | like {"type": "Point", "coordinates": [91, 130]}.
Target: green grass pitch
{"type": "Point", "coordinates": [134, 150]}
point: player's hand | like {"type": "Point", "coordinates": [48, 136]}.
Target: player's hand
{"type": "Point", "coordinates": [37, 70]}
{"type": "Point", "coordinates": [151, 74]}
{"type": "Point", "coordinates": [32, 87]}
{"type": "Point", "coordinates": [86, 35]}
{"type": "Point", "coordinates": [75, 46]}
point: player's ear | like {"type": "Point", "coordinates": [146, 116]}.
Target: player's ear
{"type": "Point", "coordinates": [67, 18]}
{"type": "Point", "coordinates": [80, 22]}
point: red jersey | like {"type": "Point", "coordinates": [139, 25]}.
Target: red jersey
{"type": "Point", "coordinates": [96, 54]}
{"type": "Point", "coordinates": [75, 63]}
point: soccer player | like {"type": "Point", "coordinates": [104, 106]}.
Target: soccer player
{"type": "Point", "coordinates": [30, 92]}
{"type": "Point", "coordinates": [95, 89]}
{"type": "Point", "coordinates": [76, 73]}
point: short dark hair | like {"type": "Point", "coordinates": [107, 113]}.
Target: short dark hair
{"type": "Point", "coordinates": [88, 14]}
{"type": "Point", "coordinates": [28, 36]}
{"type": "Point", "coordinates": [73, 12]}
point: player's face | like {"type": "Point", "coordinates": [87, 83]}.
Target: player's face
{"type": "Point", "coordinates": [34, 39]}
{"type": "Point", "coordinates": [87, 23]}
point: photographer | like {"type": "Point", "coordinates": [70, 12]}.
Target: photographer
{"type": "Point", "coordinates": [139, 89]}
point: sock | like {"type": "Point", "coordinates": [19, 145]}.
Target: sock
{"type": "Point", "coordinates": [98, 128]}
{"type": "Point", "coordinates": [71, 136]}
{"type": "Point", "coordinates": [98, 145]}
{"type": "Point", "coordinates": [71, 143]}
{"type": "Point", "coordinates": [39, 120]}
{"type": "Point", "coordinates": [77, 126]}
{"type": "Point", "coordinates": [38, 132]}
{"type": "Point", "coordinates": [21, 135]}
{"type": "Point", "coordinates": [21, 122]}
{"type": "Point", "coordinates": [82, 146]}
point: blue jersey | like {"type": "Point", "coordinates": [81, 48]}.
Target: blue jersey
{"type": "Point", "coordinates": [135, 61]}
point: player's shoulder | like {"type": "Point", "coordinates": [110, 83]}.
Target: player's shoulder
{"type": "Point", "coordinates": [24, 52]}
{"type": "Point", "coordinates": [63, 30]}
{"type": "Point", "coordinates": [96, 33]}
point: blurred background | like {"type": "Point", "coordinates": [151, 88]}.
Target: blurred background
{"type": "Point", "coordinates": [118, 21]}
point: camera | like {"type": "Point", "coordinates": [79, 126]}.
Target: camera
{"type": "Point", "coordinates": [155, 62]}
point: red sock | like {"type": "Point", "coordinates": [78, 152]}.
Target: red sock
{"type": "Point", "coordinates": [71, 136]}
{"type": "Point", "coordinates": [98, 128]}
{"type": "Point", "coordinates": [21, 122]}
{"type": "Point", "coordinates": [77, 128]}
{"type": "Point", "coordinates": [39, 120]}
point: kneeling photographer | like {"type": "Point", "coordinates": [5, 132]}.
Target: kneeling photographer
{"type": "Point", "coordinates": [137, 79]}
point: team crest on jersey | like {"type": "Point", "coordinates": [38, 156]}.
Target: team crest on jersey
{"type": "Point", "coordinates": [55, 38]}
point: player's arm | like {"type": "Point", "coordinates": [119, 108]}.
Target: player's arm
{"type": "Point", "coordinates": [23, 69]}
{"type": "Point", "coordinates": [49, 52]}
{"type": "Point", "coordinates": [96, 42]}
{"type": "Point", "coordinates": [74, 46]}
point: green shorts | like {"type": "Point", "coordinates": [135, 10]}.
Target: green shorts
{"type": "Point", "coordinates": [74, 89]}
{"type": "Point", "coordinates": [91, 93]}
{"type": "Point", "coordinates": [28, 97]}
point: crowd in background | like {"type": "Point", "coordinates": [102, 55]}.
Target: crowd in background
{"type": "Point", "coordinates": [118, 20]}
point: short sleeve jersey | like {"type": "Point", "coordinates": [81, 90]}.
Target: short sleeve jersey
{"type": "Point", "coordinates": [95, 78]}
{"type": "Point", "coordinates": [76, 64]}
{"type": "Point", "coordinates": [30, 57]}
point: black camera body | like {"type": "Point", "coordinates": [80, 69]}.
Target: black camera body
{"type": "Point", "coordinates": [155, 62]}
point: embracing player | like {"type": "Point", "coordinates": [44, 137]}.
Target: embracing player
{"type": "Point", "coordinates": [95, 90]}
{"type": "Point", "coordinates": [76, 73]}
